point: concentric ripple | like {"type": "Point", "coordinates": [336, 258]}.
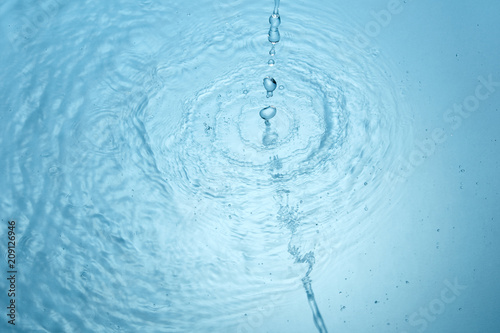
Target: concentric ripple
{"type": "Point", "coordinates": [302, 183]}
{"type": "Point", "coordinates": [338, 119]}
{"type": "Point", "coordinates": [307, 118]}
{"type": "Point", "coordinates": [148, 179]}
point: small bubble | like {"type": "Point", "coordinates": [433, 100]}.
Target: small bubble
{"type": "Point", "coordinates": [245, 91]}
{"type": "Point", "coordinates": [366, 208]}
{"type": "Point", "coordinates": [270, 62]}
{"type": "Point", "coordinates": [366, 183]}
{"type": "Point", "coordinates": [282, 87]}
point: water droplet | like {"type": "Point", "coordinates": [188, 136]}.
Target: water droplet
{"type": "Point", "coordinates": [282, 87]}
{"type": "Point", "coordinates": [270, 62]}
{"type": "Point", "coordinates": [275, 21]}
{"type": "Point", "coordinates": [268, 112]}
{"type": "Point", "coordinates": [274, 34]}
{"type": "Point", "coordinates": [270, 85]}
{"type": "Point", "coordinates": [272, 52]}
{"type": "Point", "coordinates": [245, 91]}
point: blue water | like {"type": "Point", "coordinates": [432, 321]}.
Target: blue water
{"type": "Point", "coordinates": [157, 186]}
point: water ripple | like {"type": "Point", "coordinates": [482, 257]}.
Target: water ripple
{"type": "Point", "coordinates": [154, 192]}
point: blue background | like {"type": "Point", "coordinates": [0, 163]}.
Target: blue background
{"type": "Point", "coordinates": [132, 215]}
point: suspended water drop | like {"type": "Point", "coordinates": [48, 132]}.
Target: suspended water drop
{"type": "Point", "coordinates": [267, 113]}
{"type": "Point", "coordinates": [272, 52]}
{"type": "Point", "coordinates": [270, 85]}
{"type": "Point", "coordinates": [270, 62]}
{"type": "Point", "coordinates": [274, 34]}
{"type": "Point", "coordinates": [275, 21]}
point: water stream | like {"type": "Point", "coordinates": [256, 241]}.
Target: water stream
{"type": "Point", "coordinates": [268, 113]}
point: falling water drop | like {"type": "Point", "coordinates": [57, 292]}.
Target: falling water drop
{"type": "Point", "coordinates": [274, 34]}
{"type": "Point", "coordinates": [270, 85]}
{"type": "Point", "coordinates": [272, 52]}
{"type": "Point", "coordinates": [270, 62]}
{"type": "Point", "coordinates": [275, 21]}
{"type": "Point", "coordinates": [267, 113]}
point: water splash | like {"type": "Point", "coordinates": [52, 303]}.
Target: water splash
{"type": "Point", "coordinates": [176, 150]}
{"type": "Point", "coordinates": [309, 259]}
{"type": "Point", "coordinates": [318, 319]}
{"type": "Point", "coordinates": [337, 116]}
{"type": "Point", "coordinates": [292, 224]}
{"type": "Point", "coordinates": [290, 218]}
